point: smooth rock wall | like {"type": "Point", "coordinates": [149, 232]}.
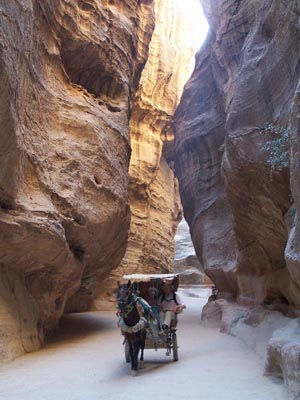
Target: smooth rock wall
{"type": "Point", "coordinates": [292, 251]}
{"type": "Point", "coordinates": [68, 71]}
{"type": "Point", "coordinates": [245, 78]}
{"type": "Point", "coordinates": [153, 189]}
{"type": "Point", "coordinates": [244, 218]}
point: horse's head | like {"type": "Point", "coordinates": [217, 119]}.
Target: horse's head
{"type": "Point", "coordinates": [124, 294]}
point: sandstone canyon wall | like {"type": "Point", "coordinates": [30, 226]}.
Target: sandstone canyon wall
{"type": "Point", "coordinates": [244, 216]}
{"type": "Point", "coordinates": [68, 71]}
{"type": "Point", "coordinates": [245, 79]}
{"type": "Point", "coordinates": [154, 197]}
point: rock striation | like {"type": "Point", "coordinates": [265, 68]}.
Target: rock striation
{"type": "Point", "coordinates": [153, 189]}
{"type": "Point", "coordinates": [69, 72]}
{"type": "Point", "coordinates": [245, 79]}
{"type": "Point", "coordinates": [292, 250]}
{"type": "Point", "coordinates": [241, 206]}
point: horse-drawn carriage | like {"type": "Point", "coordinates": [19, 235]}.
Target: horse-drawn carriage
{"type": "Point", "coordinates": [138, 298]}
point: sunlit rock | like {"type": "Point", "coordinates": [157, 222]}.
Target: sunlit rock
{"type": "Point", "coordinates": [68, 71]}
{"type": "Point", "coordinates": [153, 189]}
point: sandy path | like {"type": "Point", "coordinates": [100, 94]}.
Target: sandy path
{"type": "Point", "coordinates": [85, 361]}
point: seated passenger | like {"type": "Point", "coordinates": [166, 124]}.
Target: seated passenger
{"type": "Point", "coordinates": [152, 300]}
{"type": "Point", "coordinates": [170, 304]}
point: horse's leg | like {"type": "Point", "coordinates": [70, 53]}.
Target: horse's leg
{"type": "Point", "coordinates": [142, 346]}
{"type": "Point", "coordinates": [131, 349]}
{"type": "Point", "coordinates": [133, 352]}
{"type": "Point", "coordinates": [136, 349]}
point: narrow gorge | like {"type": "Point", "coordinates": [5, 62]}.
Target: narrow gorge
{"type": "Point", "coordinates": [111, 132]}
{"type": "Point", "coordinates": [238, 177]}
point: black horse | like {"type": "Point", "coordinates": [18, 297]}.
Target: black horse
{"type": "Point", "coordinates": [132, 323]}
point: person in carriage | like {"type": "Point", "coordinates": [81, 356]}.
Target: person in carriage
{"type": "Point", "coordinates": [141, 301]}
{"type": "Point", "coordinates": [152, 298]}
{"type": "Point", "coordinates": [170, 304]}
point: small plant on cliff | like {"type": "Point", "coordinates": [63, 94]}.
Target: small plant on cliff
{"type": "Point", "coordinates": [277, 147]}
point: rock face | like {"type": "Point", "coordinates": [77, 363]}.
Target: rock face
{"type": "Point", "coordinates": [283, 357]}
{"type": "Point", "coordinates": [292, 251]}
{"type": "Point", "coordinates": [245, 79]}
{"type": "Point", "coordinates": [272, 336]}
{"type": "Point", "coordinates": [199, 137]}
{"type": "Point", "coordinates": [191, 271]}
{"type": "Point", "coordinates": [186, 262]}
{"type": "Point", "coordinates": [154, 196]}
{"type": "Point", "coordinates": [153, 189]}
{"type": "Point", "coordinates": [243, 217]}
{"type": "Point", "coordinates": [68, 71]}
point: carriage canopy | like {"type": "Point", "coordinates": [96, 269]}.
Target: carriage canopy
{"type": "Point", "coordinates": [145, 281]}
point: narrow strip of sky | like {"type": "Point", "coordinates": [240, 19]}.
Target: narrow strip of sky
{"type": "Point", "coordinates": [193, 10]}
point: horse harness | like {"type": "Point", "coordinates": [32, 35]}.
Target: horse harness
{"type": "Point", "coordinates": [127, 309]}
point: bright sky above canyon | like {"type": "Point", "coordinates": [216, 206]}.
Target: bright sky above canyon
{"type": "Point", "coordinates": [193, 11]}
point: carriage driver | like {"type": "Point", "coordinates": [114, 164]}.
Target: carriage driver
{"type": "Point", "coordinates": [169, 305]}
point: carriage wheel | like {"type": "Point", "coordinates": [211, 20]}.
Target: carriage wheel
{"type": "Point", "coordinates": [127, 352]}
{"type": "Point", "coordinates": [175, 347]}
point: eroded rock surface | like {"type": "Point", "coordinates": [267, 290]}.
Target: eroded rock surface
{"type": "Point", "coordinates": [68, 71]}
{"type": "Point", "coordinates": [153, 189]}
{"type": "Point", "coordinates": [284, 355]}
{"type": "Point", "coordinates": [191, 271]}
{"type": "Point", "coordinates": [154, 196]}
{"type": "Point", "coordinates": [243, 217]}
{"type": "Point", "coordinates": [245, 78]}
{"type": "Point", "coordinates": [198, 157]}
{"type": "Point", "coordinates": [292, 251]}
{"type": "Point", "coordinates": [272, 336]}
